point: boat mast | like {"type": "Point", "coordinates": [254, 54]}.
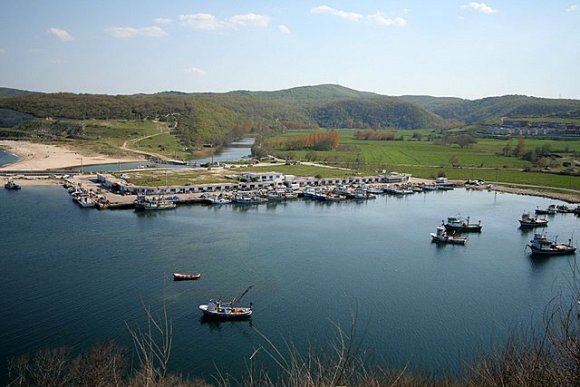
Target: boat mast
{"type": "Point", "coordinates": [243, 294]}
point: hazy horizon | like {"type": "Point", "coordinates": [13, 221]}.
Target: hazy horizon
{"type": "Point", "coordinates": [460, 49]}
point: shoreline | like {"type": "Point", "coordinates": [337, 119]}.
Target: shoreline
{"type": "Point", "coordinates": [50, 179]}
{"type": "Point", "coordinates": [41, 157]}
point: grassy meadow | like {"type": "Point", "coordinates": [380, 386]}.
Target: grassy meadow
{"type": "Point", "coordinates": [481, 160]}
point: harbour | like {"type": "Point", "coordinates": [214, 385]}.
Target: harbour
{"type": "Point", "coordinates": [312, 264]}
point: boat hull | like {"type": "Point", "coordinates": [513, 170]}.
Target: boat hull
{"type": "Point", "coordinates": [464, 228]}
{"type": "Point", "coordinates": [450, 240]}
{"type": "Point", "coordinates": [533, 224]}
{"type": "Point", "coordinates": [561, 250]}
{"type": "Point", "coordinates": [186, 277]}
{"type": "Point", "coordinates": [231, 314]}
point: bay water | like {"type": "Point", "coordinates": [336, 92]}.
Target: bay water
{"type": "Point", "coordinates": [74, 277]}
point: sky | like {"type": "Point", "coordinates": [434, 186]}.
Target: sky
{"type": "Point", "coordinates": [441, 48]}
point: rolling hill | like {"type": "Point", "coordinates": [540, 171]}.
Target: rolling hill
{"type": "Point", "coordinates": [220, 117]}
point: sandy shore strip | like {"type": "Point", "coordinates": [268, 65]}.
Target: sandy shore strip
{"type": "Point", "coordinates": [40, 157]}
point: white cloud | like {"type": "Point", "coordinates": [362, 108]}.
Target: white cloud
{"type": "Point", "coordinates": [194, 71]}
{"type": "Point", "coordinates": [249, 19]}
{"type": "Point", "coordinates": [352, 16]}
{"type": "Point", "coordinates": [60, 34]}
{"type": "Point", "coordinates": [2, 51]}
{"type": "Point", "coordinates": [200, 21]}
{"type": "Point", "coordinates": [480, 7]}
{"type": "Point", "coordinates": [162, 20]}
{"type": "Point", "coordinates": [379, 18]}
{"type": "Point", "coordinates": [206, 21]}
{"type": "Point", "coordinates": [572, 8]}
{"type": "Point", "coordinates": [284, 29]}
{"type": "Point", "coordinates": [132, 32]}
{"type": "Point", "coordinates": [58, 61]}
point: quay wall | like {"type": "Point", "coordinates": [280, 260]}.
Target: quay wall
{"type": "Point", "coordinates": [112, 183]}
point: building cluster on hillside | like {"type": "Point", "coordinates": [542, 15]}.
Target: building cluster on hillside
{"type": "Point", "coordinates": [514, 127]}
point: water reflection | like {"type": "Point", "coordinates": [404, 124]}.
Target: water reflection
{"type": "Point", "coordinates": [217, 324]}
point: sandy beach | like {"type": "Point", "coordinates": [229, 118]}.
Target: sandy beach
{"type": "Point", "coordinates": [40, 157]}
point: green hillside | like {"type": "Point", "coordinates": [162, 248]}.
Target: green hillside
{"type": "Point", "coordinates": [472, 111]}
{"type": "Point", "coordinates": [199, 118]}
{"type": "Point", "coordinates": [219, 117]}
{"type": "Point", "coordinates": [8, 92]}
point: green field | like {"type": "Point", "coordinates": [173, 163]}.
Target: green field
{"type": "Point", "coordinates": [426, 159]}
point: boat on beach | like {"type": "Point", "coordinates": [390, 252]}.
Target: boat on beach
{"type": "Point", "coordinates": [186, 277]}
{"type": "Point", "coordinates": [529, 221]}
{"type": "Point", "coordinates": [461, 225]}
{"type": "Point", "coordinates": [441, 236]}
{"type": "Point", "coordinates": [541, 245]}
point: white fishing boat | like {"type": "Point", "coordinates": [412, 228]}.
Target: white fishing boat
{"type": "Point", "coordinates": [529, 221]}
{"type": "Point", "coordinates": [85, 201]}
{"type": "Point", "coordinates": [441, 236]}
{"type": "Point", "coordinates": [158, 204]}
{"type": "Point", "coordinates": [461, 224]}
{"type": "Point", "coordinates": [217, 199]}
{"type": "Point", "coordinates": [541, 245]}
{"type": "Point", "coordinates": [153, 203]}
{"type": "Point", "coordinates": [225, 310]}
{"type": "Point", "coordinates": [247, 198]}
{"type": "Point", "coordinates": [12, 185]}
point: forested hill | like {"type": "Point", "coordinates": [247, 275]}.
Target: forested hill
{"type": "Point", "coordinates": [471, 111]}
{"type": "Point", "coordinates": [218, 117]}
{"type": "Point", "coordinates": [8, 92]}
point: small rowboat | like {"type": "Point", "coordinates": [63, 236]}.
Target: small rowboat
{"type": "Point", "coordinates": [185, 277]}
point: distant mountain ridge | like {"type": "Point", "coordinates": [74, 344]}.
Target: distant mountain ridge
{"type": "Point", "coordinates": [471, 111]}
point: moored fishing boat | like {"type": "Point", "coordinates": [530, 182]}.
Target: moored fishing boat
{"type": "Point", "coordinates": [85, 201]}
{"type": "Point", "coordinates": [12, 185]}
{"type": "Point", "coordinates": [541, 245]}
{"type": "Point", "coordinates": [225, 310]}
{"type": "Point", "coordinates": [158, 204]}
{"type": "Point", "coordinates": [186, 277]}
{"type": "Point", "coordinates": [551, 210]}
{"type": "Point", "coordinates": [461, 224]}
{"type": "Point", "coordinates": [441, 236]}
{"type": "Point", "coordinates": [529, 221]}
{"type": "Point", "coordinates": [216, 199]}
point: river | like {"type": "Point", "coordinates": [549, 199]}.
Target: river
{"type": "Point", "coordinates": [75, 277]}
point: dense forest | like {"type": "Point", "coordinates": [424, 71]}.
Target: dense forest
{"type": "Point", "coordinates": [472, 111]}
{"type": "Point", "coordinates": [217, 118]}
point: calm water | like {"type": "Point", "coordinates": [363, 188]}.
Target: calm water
{"type": "Point", "coordinates": [237, 152]}
{"type": "Point", "coordinates": [73, 277]}
{"type": "Point", "coordinates": [6, 158]}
